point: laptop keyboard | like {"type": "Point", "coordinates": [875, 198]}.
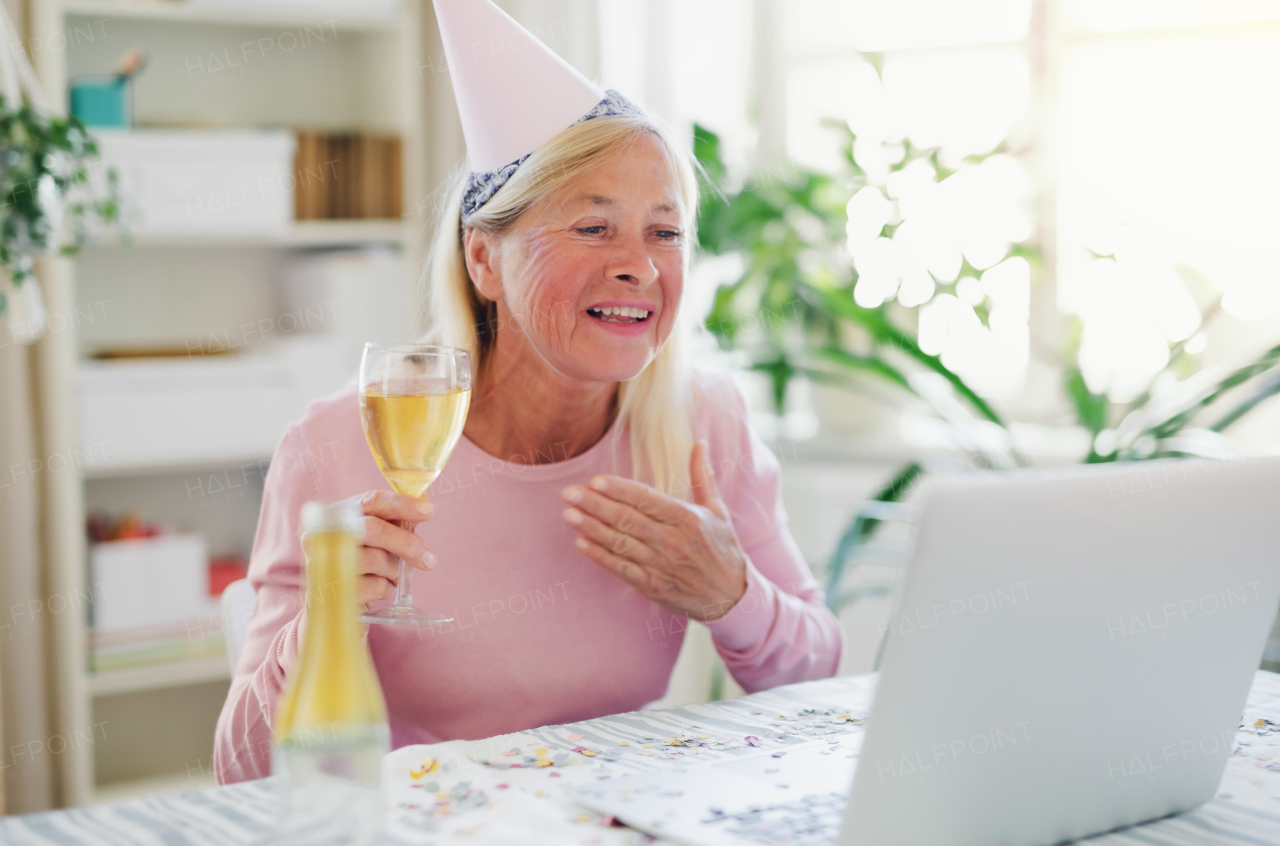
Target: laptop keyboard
{"type": "Point", "coordinates": [811, 821]}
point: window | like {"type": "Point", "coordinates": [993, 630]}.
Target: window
{"type": "Point", "coordinates": [1140, 139]}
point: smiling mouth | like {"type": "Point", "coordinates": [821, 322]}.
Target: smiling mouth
{"type": "Point", "coordinates": [620, 315]}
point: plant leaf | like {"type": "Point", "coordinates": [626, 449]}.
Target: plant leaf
{"type": "Point", "coordinates": [861, 529]}
{"type": "Point", "coordinates": [892, 491]}
{"type": "Point", "coordinates": [1268, 388]}
{"type": "Point", "coordinates": [779, 370]}
{"type": "Point", "coordinates": [862, 364]}
{"type": "Point", "coordinates": [1174, 422]}
{"type": "Point", "coordinates": [888, 336]}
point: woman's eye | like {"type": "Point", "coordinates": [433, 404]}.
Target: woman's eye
{"type": "Point", "coordinates": [668, 234]}
{"type": "Point", "coordinates": [591, 230]}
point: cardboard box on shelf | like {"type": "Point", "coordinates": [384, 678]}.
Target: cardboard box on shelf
{"type": "Point", "coordinates": [156, 601]}
{"type": "Point", "coordinates": [155, 412]}
{"type": "Point", "coordinates": [157, 581]}
{"type": "Point", "coordinates": [185, 182]}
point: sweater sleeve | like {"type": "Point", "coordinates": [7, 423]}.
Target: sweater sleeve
{"type": "Point", "coordinates": [781, 630]}
{"type": "Point", "coordinates": [243, 740]}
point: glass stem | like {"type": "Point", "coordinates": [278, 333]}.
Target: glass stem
{"type": "Point", "coordinates": [404, 576]}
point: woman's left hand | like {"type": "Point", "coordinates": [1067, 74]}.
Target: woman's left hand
{"type": "Point", "coordinates": [684, 556]}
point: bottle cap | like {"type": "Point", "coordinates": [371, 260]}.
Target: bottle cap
{"type": "Point", "coordinates": [341, 516]}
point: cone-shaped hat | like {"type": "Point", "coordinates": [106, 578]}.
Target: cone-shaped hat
{"type": "Point", "coordinates": [514, 94]}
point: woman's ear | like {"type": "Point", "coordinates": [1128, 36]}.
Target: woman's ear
{"type": "Point", "coordinates": [483, 262]}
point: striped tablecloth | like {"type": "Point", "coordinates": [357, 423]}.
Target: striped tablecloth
{"type": "Point", "coordinates": [443, 794]}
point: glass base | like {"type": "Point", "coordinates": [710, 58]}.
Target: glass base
{"type": "Point", "coordinates": [405, 615]}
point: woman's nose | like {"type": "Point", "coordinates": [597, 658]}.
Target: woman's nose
{"type": "Point", "coordinates": [632, 263]}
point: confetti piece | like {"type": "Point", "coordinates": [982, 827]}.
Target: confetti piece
{"type": "Point", "coordinates": [752, 740]}
{"type": "Point", "coordinates": [429, 765]}
{"type": "Point", "coordinates": [575, 737]}
{"type": "Point", "coordinates": [624, 743]}
{"type": "Point", "coordinates": [540, 751]}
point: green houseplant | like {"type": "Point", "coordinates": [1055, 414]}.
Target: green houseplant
{"type": "Point", "coordinates": [788, 228]}
{"type": "Point", "coordinates": [45, 185]}
{"type": "Point", "coordinates": [44, 179]}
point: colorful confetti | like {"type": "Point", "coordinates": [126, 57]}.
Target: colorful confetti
{"type": "Point", "coordinates": [536, 756]}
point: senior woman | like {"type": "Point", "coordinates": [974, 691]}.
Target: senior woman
{"type": "Point", "coordinates": [601, 494]}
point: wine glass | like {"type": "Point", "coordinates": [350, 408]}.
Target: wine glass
{"type": "Point", "coordinates": [413, 403]}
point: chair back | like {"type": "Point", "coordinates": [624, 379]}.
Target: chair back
{"type": "Point", "coordinates": [238, 600]}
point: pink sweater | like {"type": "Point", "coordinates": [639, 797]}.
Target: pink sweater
{"type": "Point", "coordinates": [543, 635]}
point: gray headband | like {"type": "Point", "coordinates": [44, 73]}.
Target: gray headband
{"type": "Point", "coordinates": [482, 186]}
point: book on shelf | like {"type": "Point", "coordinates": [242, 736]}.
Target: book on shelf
{"type": "Point", "coordinates": [347, 176]}
{"type": "Point", "coordinates": [123, 649]}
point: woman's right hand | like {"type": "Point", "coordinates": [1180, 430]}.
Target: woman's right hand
{"type": "Point", "coordinates": [385, 542]}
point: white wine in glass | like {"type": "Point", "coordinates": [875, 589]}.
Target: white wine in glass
{"type": "Point", "coordinates": [413, 404]}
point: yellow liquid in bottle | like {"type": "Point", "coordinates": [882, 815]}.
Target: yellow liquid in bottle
{"type": "Point", "coordinates": [331, 721]}
{"type": "Point", "coordinates": [334, 681]}
{"type": "Point", "coordinates": [412, 435]}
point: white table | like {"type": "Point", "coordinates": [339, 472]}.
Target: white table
{"type": "Point", "coordinates": [457, 799]}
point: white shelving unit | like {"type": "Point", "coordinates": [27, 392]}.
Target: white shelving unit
{"type": "Point", "coordinates": [358, 71]}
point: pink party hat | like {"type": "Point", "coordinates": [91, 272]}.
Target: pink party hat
{"type": "Point", "coordinates": [514, 94]}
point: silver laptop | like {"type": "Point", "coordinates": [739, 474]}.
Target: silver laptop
{"type": "Point", "coordinates": [1071, 655]}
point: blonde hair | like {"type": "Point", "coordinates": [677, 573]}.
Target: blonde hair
{"type": "Point", "coordinates": [655, 406]}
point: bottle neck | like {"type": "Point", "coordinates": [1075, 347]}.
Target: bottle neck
{"type": "Point", "coordinates": [331, 596]}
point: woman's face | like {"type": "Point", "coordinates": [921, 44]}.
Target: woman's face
{"type": "Point", "coordinates": [613, 239]}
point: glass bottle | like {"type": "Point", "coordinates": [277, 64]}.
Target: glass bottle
{"type": "Point", "coordinates": [331, 722]}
